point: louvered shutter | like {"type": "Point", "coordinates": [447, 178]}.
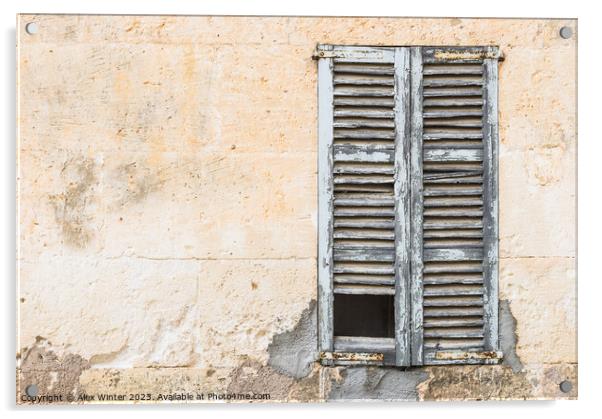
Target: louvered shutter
{"type": "Point", "coordinates": [408, 203]}
{"type": "Point", "coordinates": [361, 122]}
{"type": "Point", "coordinates": [454, 274]}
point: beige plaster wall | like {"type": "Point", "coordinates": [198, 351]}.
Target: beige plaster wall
{"type": "Point", "coordinates": [167, 196]}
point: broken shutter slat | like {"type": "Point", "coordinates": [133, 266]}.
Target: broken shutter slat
{"type": "Point", "coordinates": [402, 207]}
{"type": "Point", "coordinates": [459, 204]}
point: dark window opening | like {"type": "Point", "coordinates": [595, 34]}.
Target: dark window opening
{"type": "Point", "coordinates": [364, 315]}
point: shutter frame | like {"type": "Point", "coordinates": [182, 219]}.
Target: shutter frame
{"type": "Point", "coordinates": [325, 203]}
{"type": "Point", "coordinates": [417, 207]}
{"type": "Point", "coordinates": [402, 207]}
{"type": "Point", "coordinates": [491, 204]}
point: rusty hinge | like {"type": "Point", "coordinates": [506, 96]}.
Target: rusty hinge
{"type": "Point", "coordinates": [323, 51]}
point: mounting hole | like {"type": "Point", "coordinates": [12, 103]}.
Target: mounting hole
{"type": "Point", "coordinates": [566, 32]}
{"type": "Point", "coordinates": [31, 28]}
{"type": "Point", "coordinates": [566, 386]}
{"type": "Point", "coordinates": [31, 390]}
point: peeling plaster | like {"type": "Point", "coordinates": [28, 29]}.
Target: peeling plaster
{"type": "Point", "coordinates": [255, 378]}
{"type": "Point", "coordinates": [55, 375]}
{"type": "Point", "coordinates": [292, 353]}
{"type": "Point", "coordinates": [366, 383]}
{"type": "Point", "coordinates": [508, 337]}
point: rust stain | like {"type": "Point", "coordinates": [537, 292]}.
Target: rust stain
{"type": "Point", "coordinates": [134, 25]}
{"type": "Point", "coordinates": [463, 55]}
{"type": "Point", "coordinates": [459, 355]}
{"type": "Point", "coordinates": [352, 356]}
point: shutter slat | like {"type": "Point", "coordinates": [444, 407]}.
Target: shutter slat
{"type": "Point", "coordinates": [363, 344]}
{"type": "Point", "coordinates": [452, 233]}
{"type": "Point", "coordinates": [362, 170]}
{"type": "Point", "coordinates": [365, 279]}
{"type": "Point", "coordinates": [364, 202]}
{"type": "Point", "coordinates": [451, 69]}
{"type": "Point", "coordinates": [452, 201]}
{"type": "Point", "coordinates": [453, 312]}
{"type": "Point", "coordinates": [459, 113]}
{"type": "Point", "coordinates": [385, 225]}
{"type": "Point", "coordinates": [441, 333]}
{"type": "Point", "coordinates": [452, 254]}
{"type": "Point", "coordinates": [362, 270]}
{"type": "Point", "coordinates": [454, 192]}
{"type": "Point", "coordinates": [452, 92]}
{"type": "Point", "coordinates": [443, 344]}
{"type": "Point", "coordinates": [378, 70]}
{"type": "Point", "coordinates": [447, 280]}
{"type": "Point", "coordinates": [452, 136]}
{"type": "Point", "coordinates": [362, 180]}
{"type": "Point", "coordinates": [376, 102]}
{"type": "Point", "coordinates": [364, 289]}
{"type": "Point", "coordinates": [362, 113]}
{"type": "Point", "coordinates": [453, 102]}
{"type": "Point", "coordinates": [363, 212]}
{"type": "Point", "coordinates": [364, 134]}
{"type": "Point", "coordinates": [453, 292]}
{"type": "Point", "coordinates": [452, 123]}
{"type": "Point", "coordinates": [449, 224]}
{"type": "Point", "coordinates": [364, 255]}
{"type": "Point", "coordinates": [445, 155]}
{"type": "Point", "coordinates": [364, 91]}
{"type": "Point", "coordinates": [451, 83]}
{"type": "Point", "coordinates": [453, 322]}
{"type": "Point", "coordinates": [363, 123]}
{"type": "Point", "coordinates": [375, 154]}
{"type": "Point", "coordinates": [372, 81]}
{"type": "Point", "coordinates": [364, 234]}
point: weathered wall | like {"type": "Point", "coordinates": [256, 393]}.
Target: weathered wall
{"type": "Point", "coordinates": [167, 206]}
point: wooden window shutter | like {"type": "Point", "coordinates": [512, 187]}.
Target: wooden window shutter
{"type": "Point", "coordinates": [359, 127]}
{"type": "Point", "coordinates": [454, 271]}
{"type": "Point", "coordinates": [408, 200]}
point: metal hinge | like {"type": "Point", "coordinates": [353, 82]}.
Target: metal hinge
{"type": "Point", "coordinates": [323, 51]}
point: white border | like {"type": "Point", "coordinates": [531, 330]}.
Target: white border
{"type": "Point", "coordinates": [590, 150]}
